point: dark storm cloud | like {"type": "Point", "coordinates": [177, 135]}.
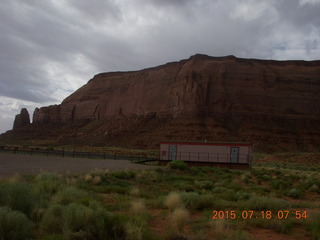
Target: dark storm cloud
{"type": "Point", "coordinates": [48, 49]}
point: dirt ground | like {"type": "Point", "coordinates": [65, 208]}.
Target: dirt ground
{"type": "Point", "coordinates": [27, 164]}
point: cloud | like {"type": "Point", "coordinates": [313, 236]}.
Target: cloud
{"type": "Point", "coordinates": [48, 49]}
{"type": "Point", "coordinates": [311, 2]}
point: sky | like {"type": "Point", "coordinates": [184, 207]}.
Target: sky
{"type": "Point", "coordinates": [50, 48]}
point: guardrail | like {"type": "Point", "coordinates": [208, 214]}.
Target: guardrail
{"type": "Point", "coordinates": [143, 159]}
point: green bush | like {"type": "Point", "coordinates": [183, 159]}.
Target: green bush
{"type": "Point", "coordinates": [264, 203]}
{"type": "Point", "coordinates": [178, 164]}
{"type": "Point", "coordinates": [14, 225]}
{"type": "Point", "coordinates": [207, 201]}
{"type": "Point", "coordinates": [128, 174]}
{"type": "Point", "coordinates": [313, 225]}
{"type": "Point", "coordinates": [195, 201]}
{"type": "Point", "coordinates": [314, 188]}
{"type": "Point", "coordinates": [71, 195]}
{"type": "Point", "coordinates": [185, 186]}
{"type": "Point", "coordinates": [243, 196]}
{"type": "Point", "coordinates": [294, 193]}
{"type": "Point", "coordinates": [205, 184]}
{"type": "Point", "coordinates": [52, 219]}
{"type": "Point", "coordinates": [190, 200]}
{"type": "Point", "coordinates": [48, 183]}
{"type": "Point", "coordinates": [76, 221]}
{"type": "Point", "coordinates": [136, 228]}
{"type": "Point", "coordinates": [19, 196]}
{"type": "Point", "coordinates": [280, 184]}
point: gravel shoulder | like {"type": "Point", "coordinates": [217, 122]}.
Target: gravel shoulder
{"type": "Point", "coordinates": [26, 164]}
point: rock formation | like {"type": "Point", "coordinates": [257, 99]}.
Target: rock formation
{"type": "Point", "coordinates": [216, 98]}
{"type": "Point", "coordinates": [22, 119]}
{"type": "Point", "coordinates": [199, 86]}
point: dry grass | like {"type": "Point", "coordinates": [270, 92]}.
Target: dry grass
{"type": "Point", "coordinates": [220, 228]}
{"type": "Point", "coordinates": [15, 178]}
{"type": "Point", "coordinates": [138, 207]}
{"type": "Point", "coordinates": [87, 178]}
{"type": "Point", "coordinates": [96, 180]}
{"type": "Point", "coordinates": [173, 201]}
{"type": "Point", "coordinates": [135, 192]}
{"type": "Point", "coordinates": [178, 219]}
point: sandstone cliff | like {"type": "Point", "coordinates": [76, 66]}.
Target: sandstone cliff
{"type": "Point", "coordinates": [266, 102]}
{"type": "Point", "coordinates": [22, 119]}
{"type": "Point", "coordinates": [199, 86]}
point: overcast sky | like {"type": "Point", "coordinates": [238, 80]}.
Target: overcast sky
{"type": "Point", "coordinates": [50, 48]}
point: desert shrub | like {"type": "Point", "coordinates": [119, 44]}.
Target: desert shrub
{"type": "Point", "coordinates": [309, 182]}
{"type": "Point", "coordinates": [135, 192]}
{"type": "Point", "coordinates": [264, 203]}
{"type": "Point", "coordinates": [223, 230]}
{"type": "Point", "coordinates": [178, 164]}
{"type": "Point", "coordinates": [76, 221]}
{"type": "Point", "coordinates": [242, 196]}
{"type": "Point", "coordinates": [219, 189]}
{"type": "Point", "coordinates": [294, 193]}
{"type": "Point", "coordinates": [314, 188]}
{"type": "Point", "coordinates": [137, 207]}
{"type": "Point", "coordinates": [280, 225]}
{"type": "Point", "coordinates": [313, 225]}
{"type": "Point", "coordinates": [48, 183]}
{"type": "Point", "coordinates": [195, 201]}
{"type": "Point", "coordinates": [76, 218]}
{"type": "Point", "coordinates": [19, 196]}
{"type": "Point", "coordinates": [14, 225]}
{"type": "Point", "coordinates": [178, 219]}
{"type": "Point", "coordinates": [159, 170]}
{"type": "Point", "coordinates": [128, 174]}
{"type": "Point", "coordinates": [173, 200]}
{"type": "Point", "coordinates": [87, 177]}
{"type": "Point", "coordinates": [136, 228]}
{"type": "Point", "coordinates": [229, 195]}
{"type": "Point", "coordinates": [15, 178]}
{"type": "Point", "coordinates": [71, 195]}
{"type": "Point", "coordinates": [205, 184]}
{"type": "Point", "coordinates": [190, 200]}
{"type": "Point", "coordinates": [206, 201]}
{"type": "Point", "coordinates": [112, 189]}
{"type": "Point", "coordinates": [96, 180]}
{"type": "Point", "coordinates": [148, 176]}
{"type": "Point", "coordinates": [185, 186]}
{"type": "Point", "coordinates": [280, 184]}
{"type": "Point", "coordinates": [52, 219]}
{"type": "Point", "coordinates": [102, 225]}
{"type": "Point", "coordinates": [220, 228]}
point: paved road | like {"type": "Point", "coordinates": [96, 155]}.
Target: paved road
{"type": "Point", "coordinates": [26, 164]}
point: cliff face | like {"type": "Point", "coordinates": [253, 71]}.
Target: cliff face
{"type": "Point", "coordinates": [22, 119]}
{"type": "Point", "coordinates": [273, 104]}
{"type": "Point", "coordinates": [199, 86]}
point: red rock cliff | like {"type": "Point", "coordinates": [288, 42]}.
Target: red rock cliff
{"type": "Point", "coordinates": [199, 86]}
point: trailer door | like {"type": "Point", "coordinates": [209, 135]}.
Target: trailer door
{"type": "Point", "coordinates": [234, 154]}
{"type": "Point", "coordinates": [172, 152]}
